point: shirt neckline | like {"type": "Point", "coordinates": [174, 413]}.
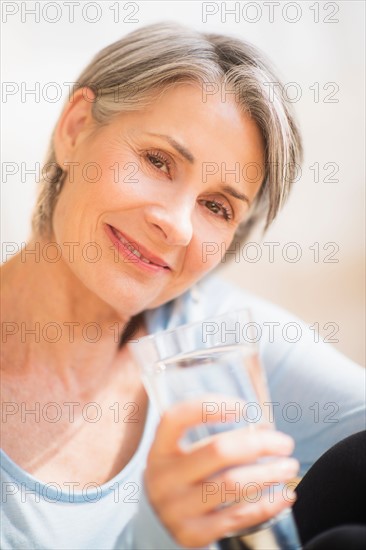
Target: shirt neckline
{"type": "Point", "coordinates": [91, 491]}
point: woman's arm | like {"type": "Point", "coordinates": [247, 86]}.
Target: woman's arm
{"type": "Point", "coordinates": [317, 393]}
{"type": "Point", "coordinates": [179, 509]}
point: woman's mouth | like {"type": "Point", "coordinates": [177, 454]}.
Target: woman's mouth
{"type": "Point", "coordinates": [134, 252]}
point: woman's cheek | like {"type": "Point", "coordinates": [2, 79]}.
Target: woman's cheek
{"type": "Point", "coordinates": [213, 237]}
{"type": "Point", "coordinates": [124, 185]}
{"type": "Point", "coordinates": [203, 257]}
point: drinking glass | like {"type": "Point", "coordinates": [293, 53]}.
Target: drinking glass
{"type": "Point", "coordinates": [216, 357]}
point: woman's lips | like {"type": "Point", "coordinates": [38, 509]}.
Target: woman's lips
{"type": "Point", "coordinates": [134, 252]}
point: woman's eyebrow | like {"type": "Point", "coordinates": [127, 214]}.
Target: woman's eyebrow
{"type": "Point", "coordinates": [177, 146]}
{"type": "Point", "coordinates": [234, 193]}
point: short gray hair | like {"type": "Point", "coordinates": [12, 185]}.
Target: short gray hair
{"type": "Point", "coordinates": [127, 75]}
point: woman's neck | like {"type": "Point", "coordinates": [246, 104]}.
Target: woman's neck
{"type": "Point", "coordinates": [51, 319]}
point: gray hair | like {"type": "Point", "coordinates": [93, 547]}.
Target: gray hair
{"type": "Point", "coordinates": [129, 73]}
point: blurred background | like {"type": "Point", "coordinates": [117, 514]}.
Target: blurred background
{"type": "Point", "coordinates": [318, 50]}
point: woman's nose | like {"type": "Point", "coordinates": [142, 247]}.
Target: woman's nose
{"type": "Point", "coordinates": [173, 224]}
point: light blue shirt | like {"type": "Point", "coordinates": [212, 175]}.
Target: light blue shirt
{"type": "Point", "coordinates": [319, 399]}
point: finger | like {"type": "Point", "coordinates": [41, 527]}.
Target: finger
{"type": "Point", "coordinates": [211, 527]}
{"type": "Point", "coordinates": [233, 486]}
{"type": "Point", "coordinates": [225, 450]}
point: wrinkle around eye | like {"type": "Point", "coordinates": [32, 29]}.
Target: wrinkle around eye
{"type": "Point", "coordinates": [220, 216]}
{"type": "Point", "coordinates": [147, 154]}
{"type": "Point", "coordinates": [163, 161]}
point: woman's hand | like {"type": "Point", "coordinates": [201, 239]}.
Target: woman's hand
{"type": "Point", "coordinates": [188, 488]}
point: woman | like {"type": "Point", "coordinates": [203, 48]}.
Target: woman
{"type": "Point", "coordinates": [133, 214]}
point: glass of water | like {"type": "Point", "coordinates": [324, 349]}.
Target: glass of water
{"type": "Point", "coordinates": [213, 357]}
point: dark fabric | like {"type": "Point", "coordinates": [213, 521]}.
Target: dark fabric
{"type": "Point", "coordinates": [347, 537]}
{"type": "Point", "coordinates": [332, 494]}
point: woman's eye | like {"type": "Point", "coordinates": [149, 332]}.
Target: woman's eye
{"type": "Point", "coordinates": [159, 162]}
{"type": "Point", "coordinates": [218, 208]}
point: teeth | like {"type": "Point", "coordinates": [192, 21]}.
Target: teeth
{"type": "Point", "coordinates": [131, 249]}
{"type": "Point", "coordinates": [139, 255]}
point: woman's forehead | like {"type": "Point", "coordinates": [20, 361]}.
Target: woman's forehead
{"type": "Point", "coordinates": [182, 117]}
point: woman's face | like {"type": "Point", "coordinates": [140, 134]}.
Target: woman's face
{"type": "Point", "coordinates": [170, 180]}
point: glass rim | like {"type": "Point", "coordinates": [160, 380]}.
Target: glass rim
{"type": "Point", "coordinates": [192, 324]}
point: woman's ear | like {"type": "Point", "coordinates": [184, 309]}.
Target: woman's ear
{"type": "Point", "coordinates": [75, 122]}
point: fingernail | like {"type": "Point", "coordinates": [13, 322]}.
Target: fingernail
{"type": "Point", "coordinates": [285, 443]}
{"type": "Point", "coordinates": [289, 466]}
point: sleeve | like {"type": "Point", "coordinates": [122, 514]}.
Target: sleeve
{"type": "Point", "coordinates": [318, 396]}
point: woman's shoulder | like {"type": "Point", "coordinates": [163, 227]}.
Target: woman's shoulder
{"type": "Point", "coordinates": [212, 296]}
{"type": "Point", "coordinates": [218, 295]}
{"type": "Point", "coordinates": [283, 338]}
